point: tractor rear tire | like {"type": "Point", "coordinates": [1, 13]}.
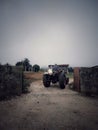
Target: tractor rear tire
{"type": "Point", "coordinates": [62, 80]}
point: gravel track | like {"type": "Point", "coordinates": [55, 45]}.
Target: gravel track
{"type": "Point", "coordinates": [49, 109]}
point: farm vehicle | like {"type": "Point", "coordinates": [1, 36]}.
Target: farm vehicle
{"type": "Point", "coordinates": [54, 74]}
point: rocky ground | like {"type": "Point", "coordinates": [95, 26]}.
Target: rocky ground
{"type": "Point", "coordinates": [49, 109]}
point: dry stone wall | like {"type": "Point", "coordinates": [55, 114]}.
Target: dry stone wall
{"type": "Point", "coordinates": [88, 80]}
{"type": "Point", "coordinates": [11, 80]}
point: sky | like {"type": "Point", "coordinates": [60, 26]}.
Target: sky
{"type": "Point", "coordinates": [49, 32]}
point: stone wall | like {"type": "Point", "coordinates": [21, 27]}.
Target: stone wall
{"type": "Point", "coordinates": [88, 80]}
{"type": "Point", "coordinates": [11, 80]}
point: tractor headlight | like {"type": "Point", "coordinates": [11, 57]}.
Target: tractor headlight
{"type": "Point", "coordinates": [50, 71]}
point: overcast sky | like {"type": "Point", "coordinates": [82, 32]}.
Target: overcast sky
{"type": "Point", "coordinates": [49, 32]}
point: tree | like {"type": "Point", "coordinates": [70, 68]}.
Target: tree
{"type": "Point", "coordinates": [25, 63]}
{"type": "Point", "coordinates": [70, 69]}
{"type": "Point", "coordinates": [19, 63]}
{"type": "Point", "coordinates": [36, 68]}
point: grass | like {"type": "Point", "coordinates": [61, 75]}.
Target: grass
{"type": "Point", "coordinates": [70, 75]}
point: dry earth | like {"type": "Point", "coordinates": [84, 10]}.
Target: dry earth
{"type": "Point", "coordinates": [49, 109]}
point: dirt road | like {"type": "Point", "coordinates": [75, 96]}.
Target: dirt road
{"type": "Point", "coordinates": [49, 109]}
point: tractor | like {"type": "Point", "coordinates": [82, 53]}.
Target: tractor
{"type": "Point", "coordinates": [56, 73]}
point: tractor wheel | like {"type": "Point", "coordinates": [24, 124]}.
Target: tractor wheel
{"type": "Point", "coordinates": [62, 81]}
{"type": "Point", "coordinates": [46, 80]}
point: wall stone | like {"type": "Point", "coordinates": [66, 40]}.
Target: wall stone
{"type": "Point", "coordinates": [88, 79]}
{"type": "Point", "coordinates": [11, 80]}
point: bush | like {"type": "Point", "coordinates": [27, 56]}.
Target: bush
{"type": "Point", "coordinates": [26, 84]}
{"type": "Point", "coordinates": [36, 68]}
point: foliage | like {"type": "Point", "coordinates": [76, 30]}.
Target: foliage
{"type": "Point", "coordinates": [25, 63]}
{"type": "Point", "coordinates": [70, 69]}
{"type": "Point", "coordinates": [70, 75]}
{"type": "Point", "coordinates": [26, 84]}
{"type": "Point", "coordinates": [36, 68]}
{"type": "Point", "coordinates": [20, 63]}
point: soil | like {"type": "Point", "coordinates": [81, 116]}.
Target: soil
{"type": "Point", "coordinates": [49, 109]}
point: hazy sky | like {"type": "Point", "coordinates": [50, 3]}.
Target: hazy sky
{"type": "Point", "coordinates": [49, 31]}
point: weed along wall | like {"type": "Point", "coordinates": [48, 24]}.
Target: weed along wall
{"type": "Point", "coordinates": [11, 80]}
{"type": "Point", "coordinates": [87, 81]}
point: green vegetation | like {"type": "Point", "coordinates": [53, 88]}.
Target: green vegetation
{"type": "Point", "coordinates": [25, 63]}
{"type": "Point", "coordinates": [36, 68]}
{"type": "Point", "coordinates": [27, 66]}
{"type": "Point", "coordinates": [70, 75]}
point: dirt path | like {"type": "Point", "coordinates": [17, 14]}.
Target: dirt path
{"type": "Point", "coordinates": [49, 109]}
